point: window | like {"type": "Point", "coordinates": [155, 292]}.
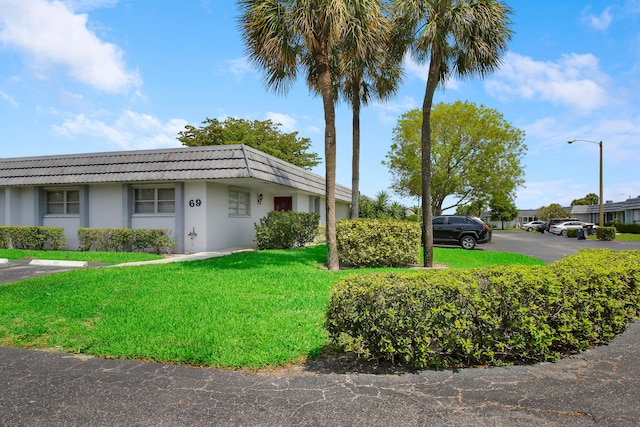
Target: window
{"type": "Point", "coordinates": [154, 200]}
{"type": "Point", "coordinates": [239, 202]}
{"type": "Point", "coordinates": [63, 202]}
{"type": "Point", "coordinates": [457, 220]}
{"type": "Point", "coordinates": [314, 205]}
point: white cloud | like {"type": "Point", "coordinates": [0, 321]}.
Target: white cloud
{"type": "Point", "coordinates": [314, 130]}
{"type": "Point", "coordinates": [421, 71]}
{"type": "Point", "coordinates": [287, 123]}
{"type": "Point", "coordinates": [600, 22]}
{"type": "Point", "coordinates": [574, 80]}
{"type": "Point", "coordinates": [9, 99]}
{"type": "Point", "coordinates": [238, 67]}
{"type": "Point", "coordinates": [48, 33]}
{"type": "Point", "coordinates": [130, 131]}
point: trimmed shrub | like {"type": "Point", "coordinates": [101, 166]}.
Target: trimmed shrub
{"type": "Point", "coordinates": [286, 229]}
{"type": "Point", "coordinates": [486, 316]}
{"type": "Point", "coordinates": [606, 233]}
{"type": "Point", "coordinates": [627, 228]}
{"type": "Point", "coordinates": [32, 237]}
{"type": "Point", "coordinates": [364, 242]}
{"type": "Point", "coordinates": [126, 240]}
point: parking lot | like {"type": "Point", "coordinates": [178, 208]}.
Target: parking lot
{"type": "Point", "coordinates": [547, 247]}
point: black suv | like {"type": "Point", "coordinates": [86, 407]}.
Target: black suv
{"type": "Point", "coordinates": [461, 230]}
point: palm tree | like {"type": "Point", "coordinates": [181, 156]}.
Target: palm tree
{"type": "Point", "coordinates": [376, 75]}
{"type": "Point", "coordinates": [283, 36]}
{"type": "Point", "coordinates": [456, 38]}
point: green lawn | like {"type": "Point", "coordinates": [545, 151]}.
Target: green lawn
{"type": "Point", "coordinates": [250, 309]}
{"type": "Point", "coordinates": [99, 257]}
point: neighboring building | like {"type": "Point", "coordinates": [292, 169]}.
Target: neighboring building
{"type": "Point", "coordinates": [208, 197]}
{"type": "Point", "coordinates": [627, 212]}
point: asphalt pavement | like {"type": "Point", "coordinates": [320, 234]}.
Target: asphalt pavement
{"type": "Point", "coordinates": [600, 387]}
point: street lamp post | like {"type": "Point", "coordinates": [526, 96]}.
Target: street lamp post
{"type": "Point", "coordinates": [571, 141]}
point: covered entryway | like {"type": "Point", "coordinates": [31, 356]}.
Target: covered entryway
{"type": "Point", "coordinates": [282, 203]}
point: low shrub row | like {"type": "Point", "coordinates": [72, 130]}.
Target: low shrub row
{"type": "Point", "coordinates": [32, 237]}
{"type": "Point", "coordinates": [286, 229]}
{"type": "Point", "coordinates": [126, 240]}
{"type": "Point", "coordinates": [378, 242]}
{"type": "Point", "coordinates": [487, 316]}
{"type": "Point", "coordinates": [627, 228]}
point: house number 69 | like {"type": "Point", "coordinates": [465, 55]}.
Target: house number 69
{"type": "Point", "coordinates": [196, 202]}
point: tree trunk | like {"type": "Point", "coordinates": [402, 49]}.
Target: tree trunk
{"type": "Point", "coordinates": [425, 138]}
{"type": "Point", "coordinates": [324, 77]}
{"type": "Point", "coordinates": [355, 161]}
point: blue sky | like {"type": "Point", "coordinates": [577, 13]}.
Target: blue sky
{"type": "Point", "coordinates": [107, 75]}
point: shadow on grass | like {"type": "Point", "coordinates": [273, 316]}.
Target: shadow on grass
{"type": "Point", "coordinates": [311, 256]}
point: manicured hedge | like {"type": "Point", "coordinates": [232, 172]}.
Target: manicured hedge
{"type": "Point", "coordinates": [32, 237]}
{"type": "Point", "coordinates": [606, 233]}
{"type": "Point", "coordinates": [126, 240]}
{"type": "Point", "coordinates": [286, 229]}
{"type": "Point", "coordinates": [364, 242]}
{"type": "Point", "coordinates": [487, 316]}
{"type": "Point", "coordinates": [627, 228]}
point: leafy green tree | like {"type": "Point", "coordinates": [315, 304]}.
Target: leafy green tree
{"type": "Point", "coordinates": [503, 209]}
{"type": "Point", "coordinates": [475, 155]}
{"type": "Point", "coordinates": [554, 210]}
{"type": "Point", "coordinates": [284, 36]}
{"type": "Point", "coordinates": [261, 135]}
{"type": "Point", "coordinates": [475, 208]}
{"type": "Point", "coordinates": [589, 199]}
{"type": "Point", "coordinates": [456, 38]}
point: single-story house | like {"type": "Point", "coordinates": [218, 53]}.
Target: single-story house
{"type": "Point", "coordinates": [626, 212]}
{"type": "Point", "coordinates": [208, 197]}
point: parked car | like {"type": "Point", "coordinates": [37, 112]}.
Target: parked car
{"type": "Point", "coordinates": [562, 227]}
{"type": "Point", "coordinates": [463, 230]}
{"type": "Point", "coordinates": [531, 226]}
{"type": "Point", "coordinates": [552, 221]}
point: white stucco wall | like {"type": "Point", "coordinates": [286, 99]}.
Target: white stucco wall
{"type": "Point", "coordinates": [70, 225]}
{"type": "Point", "coordinates": [195, 217]}
{"type": "Point", "coordinates": [224, 231]}
{"type": "Point", "coordinates": [105, 206]}
{"type": "Point", "coordinates": [3, 206]}
{"type": "Point", "coordinates": [23, 209]}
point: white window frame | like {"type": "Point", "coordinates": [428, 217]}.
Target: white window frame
{"type": "Point", "coordinates": [239, 202]}
{"type": "Point", "coordinates": [66, 202]}
{"type": "Point", "coordinates": [157, 201]}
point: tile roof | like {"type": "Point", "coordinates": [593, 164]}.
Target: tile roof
{"type": "Point", "coordinates": [175, 164]}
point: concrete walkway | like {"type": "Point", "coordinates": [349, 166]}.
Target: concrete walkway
{"type": "Point", "coordinates": [189, 257]}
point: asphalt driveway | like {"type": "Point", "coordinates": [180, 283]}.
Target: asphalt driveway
{"type": "Point", "coordinates": [547, 247]}
{"type": "Point", "coordinates": [16, 270]}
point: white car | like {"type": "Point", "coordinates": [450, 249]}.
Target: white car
{"type": "Point", "coordinates": [532, 226]}
{"type": "Point", "coordinates": [562, 227]}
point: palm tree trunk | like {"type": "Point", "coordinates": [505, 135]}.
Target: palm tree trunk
{"type": "Point", "coordinates": [425, 138]}
{"type": "Point", "coordinates": [355, 162]}
{"type": "Point", "coordinates": [324, 77]}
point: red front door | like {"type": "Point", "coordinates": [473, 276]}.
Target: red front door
{"type": "Point", "coordinates": [282, 203]}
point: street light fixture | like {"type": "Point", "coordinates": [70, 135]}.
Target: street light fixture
{"type": "Point", "coordinates": [571, 141]}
